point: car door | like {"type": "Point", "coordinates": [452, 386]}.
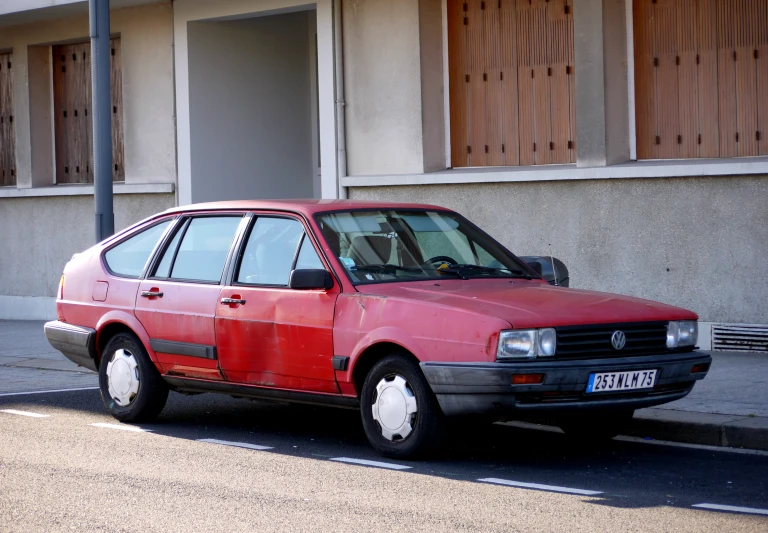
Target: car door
{"type": "Point", "coordinates": [268, 334]}
{"type": "Point", "coordinates": [177, 302]}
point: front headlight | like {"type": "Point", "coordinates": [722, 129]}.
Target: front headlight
{"type": "Point", "coordinates": [682, 333]}
{"type": "Point", "coordinates": [520, 343]}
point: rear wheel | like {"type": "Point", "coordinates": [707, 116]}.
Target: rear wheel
{"type": "Point", "coordinates": [131, 386]}
{"type": "Point", "coordinates": [401, 416]}
{"type": "Point", "coordinates": [596, 426]}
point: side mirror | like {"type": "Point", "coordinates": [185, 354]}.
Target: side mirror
{"type": "Point", "coordinates": [310, 278]}
{"type": "Point", "coordinates": [543, 265]}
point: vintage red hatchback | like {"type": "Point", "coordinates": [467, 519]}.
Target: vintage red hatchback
{"type": "Point", "coordinates": [407, 312]}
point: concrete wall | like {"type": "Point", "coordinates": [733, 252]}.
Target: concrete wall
{"type": "Point", "coordinates": [382, 84]}
{"type": "Point", "coordinates": [40, 235]}
{"type": "Point", "coordinates": [250, 118]}
{"type": "Point", "coordinates": [146, 33]}
{"type": "Point", "coordinates": [700, 243]}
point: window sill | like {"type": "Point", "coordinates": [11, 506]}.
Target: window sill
{"type": "Point", "coordinates": [631, 169]}
{"type": "Point", "coordinates": [86, 190]}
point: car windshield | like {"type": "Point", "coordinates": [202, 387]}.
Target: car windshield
{"type": "Point", "coordinates": [405, 245]}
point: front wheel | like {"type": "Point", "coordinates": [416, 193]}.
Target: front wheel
{"type": "Point", "coordinates": [130, 385]}
{"type": "Point", "coordinates": [596, 426]}
{"type": "Point", "coordinates": [401, 416]}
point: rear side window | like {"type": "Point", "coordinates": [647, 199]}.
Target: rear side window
{"type": "Point", "coordinates": [202, 251]}
{"type": "Point", "coordinates": [129, 257]}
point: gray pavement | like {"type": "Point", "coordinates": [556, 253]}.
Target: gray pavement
{"type": "Point", "coordinates": [728, 408]}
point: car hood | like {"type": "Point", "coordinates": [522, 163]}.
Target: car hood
{"type": "Point", "coordinates": [531, 304]}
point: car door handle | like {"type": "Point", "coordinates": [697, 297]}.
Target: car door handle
{"type": "Point", "coordinates": [232, 301]}
{"type": "Point", "coordinates": [152, 294]}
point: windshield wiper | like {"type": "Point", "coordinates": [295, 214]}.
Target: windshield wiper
{"type": "Point", "coordinates": [461, 268]}
{"type": "Point", "coordinates": [385, 267]}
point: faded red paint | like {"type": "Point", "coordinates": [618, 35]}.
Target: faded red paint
{"type": "Point", "coordinates": [286, 339]}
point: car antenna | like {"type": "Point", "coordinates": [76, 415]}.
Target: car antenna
{"type": "Point", "coordinates": [552, 260]}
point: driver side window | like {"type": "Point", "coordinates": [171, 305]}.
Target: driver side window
{"type": "Point", "coordinates": [270, 252]}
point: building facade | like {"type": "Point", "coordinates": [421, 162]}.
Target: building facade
{"type": "Point", "coordinates": [628, 138]}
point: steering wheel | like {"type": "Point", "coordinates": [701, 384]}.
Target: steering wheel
{"type": "Point", "coordinates": [442, 259]}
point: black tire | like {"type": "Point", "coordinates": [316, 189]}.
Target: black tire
{"type": "Point", "coordinates": [152, 392]}
{"type": "Point", "coordinates": [597, 426]}
{"type": "Point", "coordinates": [428, 423]}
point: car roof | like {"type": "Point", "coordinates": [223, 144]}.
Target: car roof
{"type": "Point", "coordinates": [306, 206]}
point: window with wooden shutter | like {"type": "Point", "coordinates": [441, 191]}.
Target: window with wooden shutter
{"type": "Point", "coordinates": [511, 82]}
{"type": "Point", "coordinates": [7, 134]}
{"type": "Point", "coordinates": [701, 78]}
{"type": "Point", "coordinates": [73, 114]}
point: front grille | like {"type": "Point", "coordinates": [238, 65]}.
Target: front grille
{"type": "Point", "coordinates": [574, 342]}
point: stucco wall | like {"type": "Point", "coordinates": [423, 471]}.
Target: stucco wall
{"type": "Point", "coordinates": [40, 235]}
{"type": "Point", "coordinates": [700, 243]}
{"type": "Point", "coordinates": [382, 85]}
{"type": "Point", "coordinates": [249, 100]}
{"type": "Point", "coordinates": [146, 34]}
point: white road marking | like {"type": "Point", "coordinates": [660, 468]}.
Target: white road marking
{"type": "Point", "coordinates": [119, 426]}
{"type": "Point", "coordinates": [538, 486]}
{"type": "Point", "coordinates": [732, 508]}
{"type": "Point", "coordinates": [236, 444]}
{"type": "Point", "coordinates": [23, 413]}
{"type": "Point", "coordinates": [706, 447]}
{"type": "Point", "coordinates": [45, 391]}
{"type": "Point", "coordinates": [366, 462]}
{"type": "Point", "coordinates": [640, 440]}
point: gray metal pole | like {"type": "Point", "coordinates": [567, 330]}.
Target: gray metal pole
{"type": "Point", "coordinates": [102, 118]}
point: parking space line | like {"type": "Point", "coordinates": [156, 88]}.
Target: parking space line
{"type": "Point", "coordinates": [45, 391]}
{"type": "Point", "coordinates": [120, 426]}
{"type": "Point", "coordinates": [23, 413]}
{"type": "Point", "coordinates": [538, 486]}
{"type": "Point", "coordinates": [366, 462]}
{"type": "Point", "coordinates": [235, 444]}
{"type": "Point", "coordinates": [731, 508]}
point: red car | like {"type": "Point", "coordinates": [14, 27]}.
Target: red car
{"type": "Point", "coordinates": [408, 312]}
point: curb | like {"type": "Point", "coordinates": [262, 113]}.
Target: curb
{"type": "Point", "coordinates": [701, 428]}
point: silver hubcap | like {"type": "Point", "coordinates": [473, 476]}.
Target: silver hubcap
{"type": "Point", "coordinates": [123, 377]}
{"type": "Point", "coordinates": [395, 407]}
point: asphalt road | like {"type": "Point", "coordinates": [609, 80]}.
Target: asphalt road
{"type": "Point", "coordinates": [61, 472]}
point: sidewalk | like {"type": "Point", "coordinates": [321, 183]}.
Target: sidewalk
{"type": "Point", "coordinates": [728, 408]}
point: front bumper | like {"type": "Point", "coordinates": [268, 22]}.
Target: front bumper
{"type": "Point", "coordinates": [486, 388]}
{"type": "Point", "coordinates": [78, 344]}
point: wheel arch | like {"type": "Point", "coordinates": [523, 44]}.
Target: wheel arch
{"type": "Point", "coordinates": [374, 353]}
{"type": "Point", "coordinates": [120, 322]}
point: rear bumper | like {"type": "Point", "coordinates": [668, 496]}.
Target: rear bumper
{"type": "Point", "coordinates": [77, 343]}
{"type": "Point", "coordinates": [485, 388]}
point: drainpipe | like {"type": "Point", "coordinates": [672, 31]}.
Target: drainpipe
{"type": "Point", "coordinates": [102, 118]}
{"type": "Point", "coordinates": [338, 65]}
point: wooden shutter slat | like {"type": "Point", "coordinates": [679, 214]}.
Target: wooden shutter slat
{"type": "Point", "coordinates": [668, 124]}
{"type": "Point", "coordinates": [746, 77]}
{"type": "Point", "coordinates": [726, 82]}
{"type": "Point", "coordinates": [116, 76]}
{"type": "Point", "coordinates": [457, 57]}
{"type": "Point", "coordinates": [524, 83]}
{"type": "Point", "coordinates": [688, 84]}
{"type": "Point", "coordinates": [476, 69]}
{"type": "Point", "coordinates": [645, 81]}
{"type": "Point", "coordinates": [762, 77]}
{"type": "Point", "coordinates": [708, 102]}
{"type": "Point", "coordinates": [494, 89]}
{"type": "Point", "coordinates": [557, 61]}
{"type": "Point", "coordinates": [511, 138]}
{"type": "Point", "coordinates": [7, 127]}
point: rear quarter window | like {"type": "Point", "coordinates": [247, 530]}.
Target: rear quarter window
{"type": "Point", "coordinates": [130, 256]}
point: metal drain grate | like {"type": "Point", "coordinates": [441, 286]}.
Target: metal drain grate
{"type": "Point", "coordinates": [740, 338]}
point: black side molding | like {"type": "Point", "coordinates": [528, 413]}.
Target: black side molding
{"type": "Point", "coordinates": [184, 348]}
{"type": "Point", "coordinates": [340, 362]}
{"type": "Point", "coordinates": [262, 393]}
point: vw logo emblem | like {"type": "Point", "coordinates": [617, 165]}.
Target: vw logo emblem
{"type": "Point", "coordinates": [618, 340]}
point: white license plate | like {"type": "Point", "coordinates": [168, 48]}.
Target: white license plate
{"type": "Point", "coordinates": [613, 381]}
